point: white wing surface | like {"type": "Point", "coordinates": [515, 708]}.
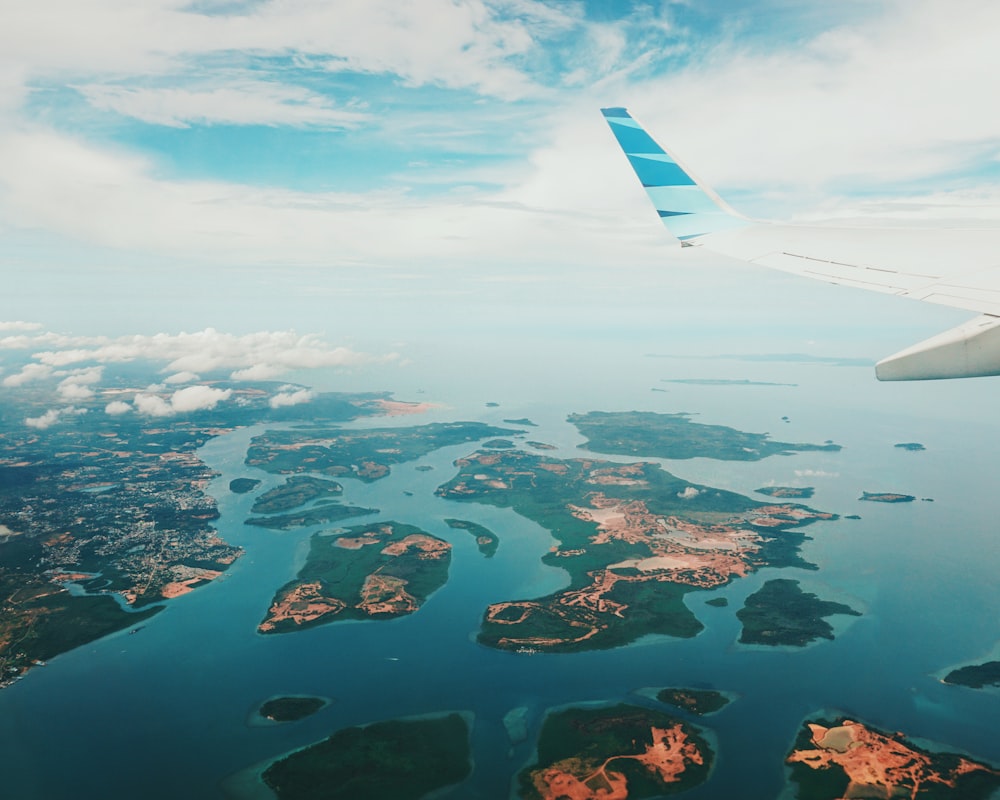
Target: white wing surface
{"type": "Point", "coordinates": [958, 268]}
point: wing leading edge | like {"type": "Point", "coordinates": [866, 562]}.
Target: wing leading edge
{"type": "Point", "coordinates": [957, 268]}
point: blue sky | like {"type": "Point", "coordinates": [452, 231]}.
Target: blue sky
{"type": "Point", "coordinates": [393, 151]}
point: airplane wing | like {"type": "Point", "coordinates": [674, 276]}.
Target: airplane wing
{"type": "Point", "coordinates": [958, 268]}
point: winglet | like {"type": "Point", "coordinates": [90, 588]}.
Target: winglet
{"type": "Point", "coordinates": [687, 209]}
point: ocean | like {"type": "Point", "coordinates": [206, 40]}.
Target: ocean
{"type": "Point", "coordinates": [165, 712]}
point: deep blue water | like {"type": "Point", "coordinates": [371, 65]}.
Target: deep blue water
{"type": "Point", "coordinates": [163, 713]}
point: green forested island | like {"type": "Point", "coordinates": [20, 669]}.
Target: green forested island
{"type": "Point", "coordinates": [647, 433]}
{"type": "Point", "coordinates": [975, 676]}
{"type": "Point", "coordinates": [290, 709]}
{"type": "Point", "coordinates": [697, 701]}
{"type": "Point", "coordinates": [399, 759]}
{"type": "Point", "coordinates": [297, 490]}
{"type": "Point", "coordinates": [780, 613]}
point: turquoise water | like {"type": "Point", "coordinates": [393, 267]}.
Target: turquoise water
{"type": "Point", "coordinates": [163, 713]}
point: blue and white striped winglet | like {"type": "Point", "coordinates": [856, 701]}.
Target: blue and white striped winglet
{"type": "Point", "coordinates": [687, 209]}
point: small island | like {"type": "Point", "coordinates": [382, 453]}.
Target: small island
{"type": "Point", "coordinates": [913, 447]}
{"type": "Point", "coordinates": [846, 758]}
{"type": "Point", "coordinates": [524, 422]}
{"type": "Point", "coordinates": [975, 676]}
{"type": "Point", "coordinates": [718, 602]}
{"type": "Point", "coordinates": [400, 759]}
{"type": "Point", "coordinates": [498, 444]}
{"type": "Point", "coordinates": [243, 485]}
{"type": "Point", "coordinates": [622, 751]}
{"type": "Point", "coordinates": [780, 613]}
{"type": "Point", "coordinates": [297, 490]}
{"type": "Point", "coordinates": [376, 571]}
{"type": "Point", "coordinates": [886, 497]}
{"type": "Point", "coordinates": [698, 701]}
{"type": "Point", "coordinates": [290, 708]}
{"type": "Point", "coordinates": [487, 541]}
{"type": "Point", "coordinates": [318, 515]}
{"type": "Point", "coordinates": [798, 492]}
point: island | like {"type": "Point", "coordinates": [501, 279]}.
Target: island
{"type": "Point", "coordinates": [317, 515]}
{"type": "Point", "coordinates": [294, 492]}
{"type": "Point", "coordinates": [625, 751]}
{"type": "Point", "coordinates": [540, 445]}
{"type": "Point", "coordinates": [243, 485]}
{"type": "Point", "coordinates": [698, 701]}
{"type": "Point", "coordinates": [290, 708]}
{"type": "Point", "coordinates": [634, 540]}
{"type": "Point", "coordinates": [718, 602]}
{"type": "Point", "coordinates": [522, 422]}
{"type": "Point", "coordinates": [847, 758]}
{"type": "Point", "coordinates": [975, 676]}
{"type": "Point", "coordinates": [366, 454]}
{"type": "Point", "coordinates": [913, 447]}
{"type": "Point", "coordinates": [780, 613]}
{"type": "Point", "coordinates": [378, 571]}
{"type": "Point", "coordinates": [796, 492]}
{"type": "Point", "coordinates": [498, 444]}
{"type": "Point", "coordinates": [676, 436]}
{"type": "Point", "coordinates": [403, 759]}
{"type": "Point", "coordinates": [886, 497]}
{"type": "Point", "coordinates": [486, 540]}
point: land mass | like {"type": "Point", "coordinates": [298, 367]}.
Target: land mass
{"type": "Point", "coordinates": [976, 676]}
{"type": "Point", "coordinates": [486, 540]}
{"type": "Point", "coordinates": [615, 753]}
{"type": "Point", "coordinates": [796, 492]}
{"type": "Point", "coordinates": [912, 446]}
{"type": "Point", "coordinates": [290, 709]}
{"type": "Point", "coordinates": [377, 571]}
{"type": "Point", "coordinates": [886, 497]}
{"type": "Point", "coordinates": [318, 515]}
{"type": "Point", "coordinates": [780, 613]}
{"type": "Point", "coordinates": [399, 759]}
{"type": "Point", "coordinates": [294, 492]}
{"type": "Point", "coordinates": [364, 454]}
{"type": "Point", "coordinates": [634, 540]}
{"type": "Point", "coordinates": [697, 701]}
{"type": "Point", "coordinates": [113, 505]}
{"type": "Point", "coordinates": [647, 433]}
{"type": "Point", "coordinates": [845, 758]}
{"type": "Point", "coordinates": [243, 485]}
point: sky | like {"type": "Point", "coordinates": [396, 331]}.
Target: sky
{"type": "Point", "coordinates": [316, 169]}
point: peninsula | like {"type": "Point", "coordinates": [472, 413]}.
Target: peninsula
{"type": "Point", "coordinates": [975, 676]}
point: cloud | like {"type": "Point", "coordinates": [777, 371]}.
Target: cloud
{"type": "Point", "coordinates": [152, 405]}
{"type": "Point", "coordinates": [181, 377]}
{"type": "Point", "coordinates": [291, 396]}
{"type": "Point", "coordinates": [117, 408]}
{"type": "Point", "coordinates": [689, 493]}
{"type": "Point", "coordinates": [198, 398]}
{"type": "Point", "coordinates": [52, 416]}
{"type": "Point", "coordinates": [263, 354]}
{"type": "Point", "coordinates": [186, 400]}
{"type": "Point", "coordinates": [815, 473]}
{"type": "Point", "coordinates": [28, 373]}
{"type": "Point", "coordinates": [76, 385]}
{"type": "Point", "coordinates": [245, 103]}
{"type": "Point", "coordinates": [20, 326]}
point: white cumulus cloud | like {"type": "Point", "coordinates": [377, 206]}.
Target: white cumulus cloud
{"type": "Point", "coordinates": [52, 416]}
{"type": "Point", "coordinates": [198, 398]}
{"type": "Point", "coordinates": [28, 373]}
{"type": "Point", "coordinates": [117, 408]}
{"type": "Point", "coordinates": [291, 397]}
